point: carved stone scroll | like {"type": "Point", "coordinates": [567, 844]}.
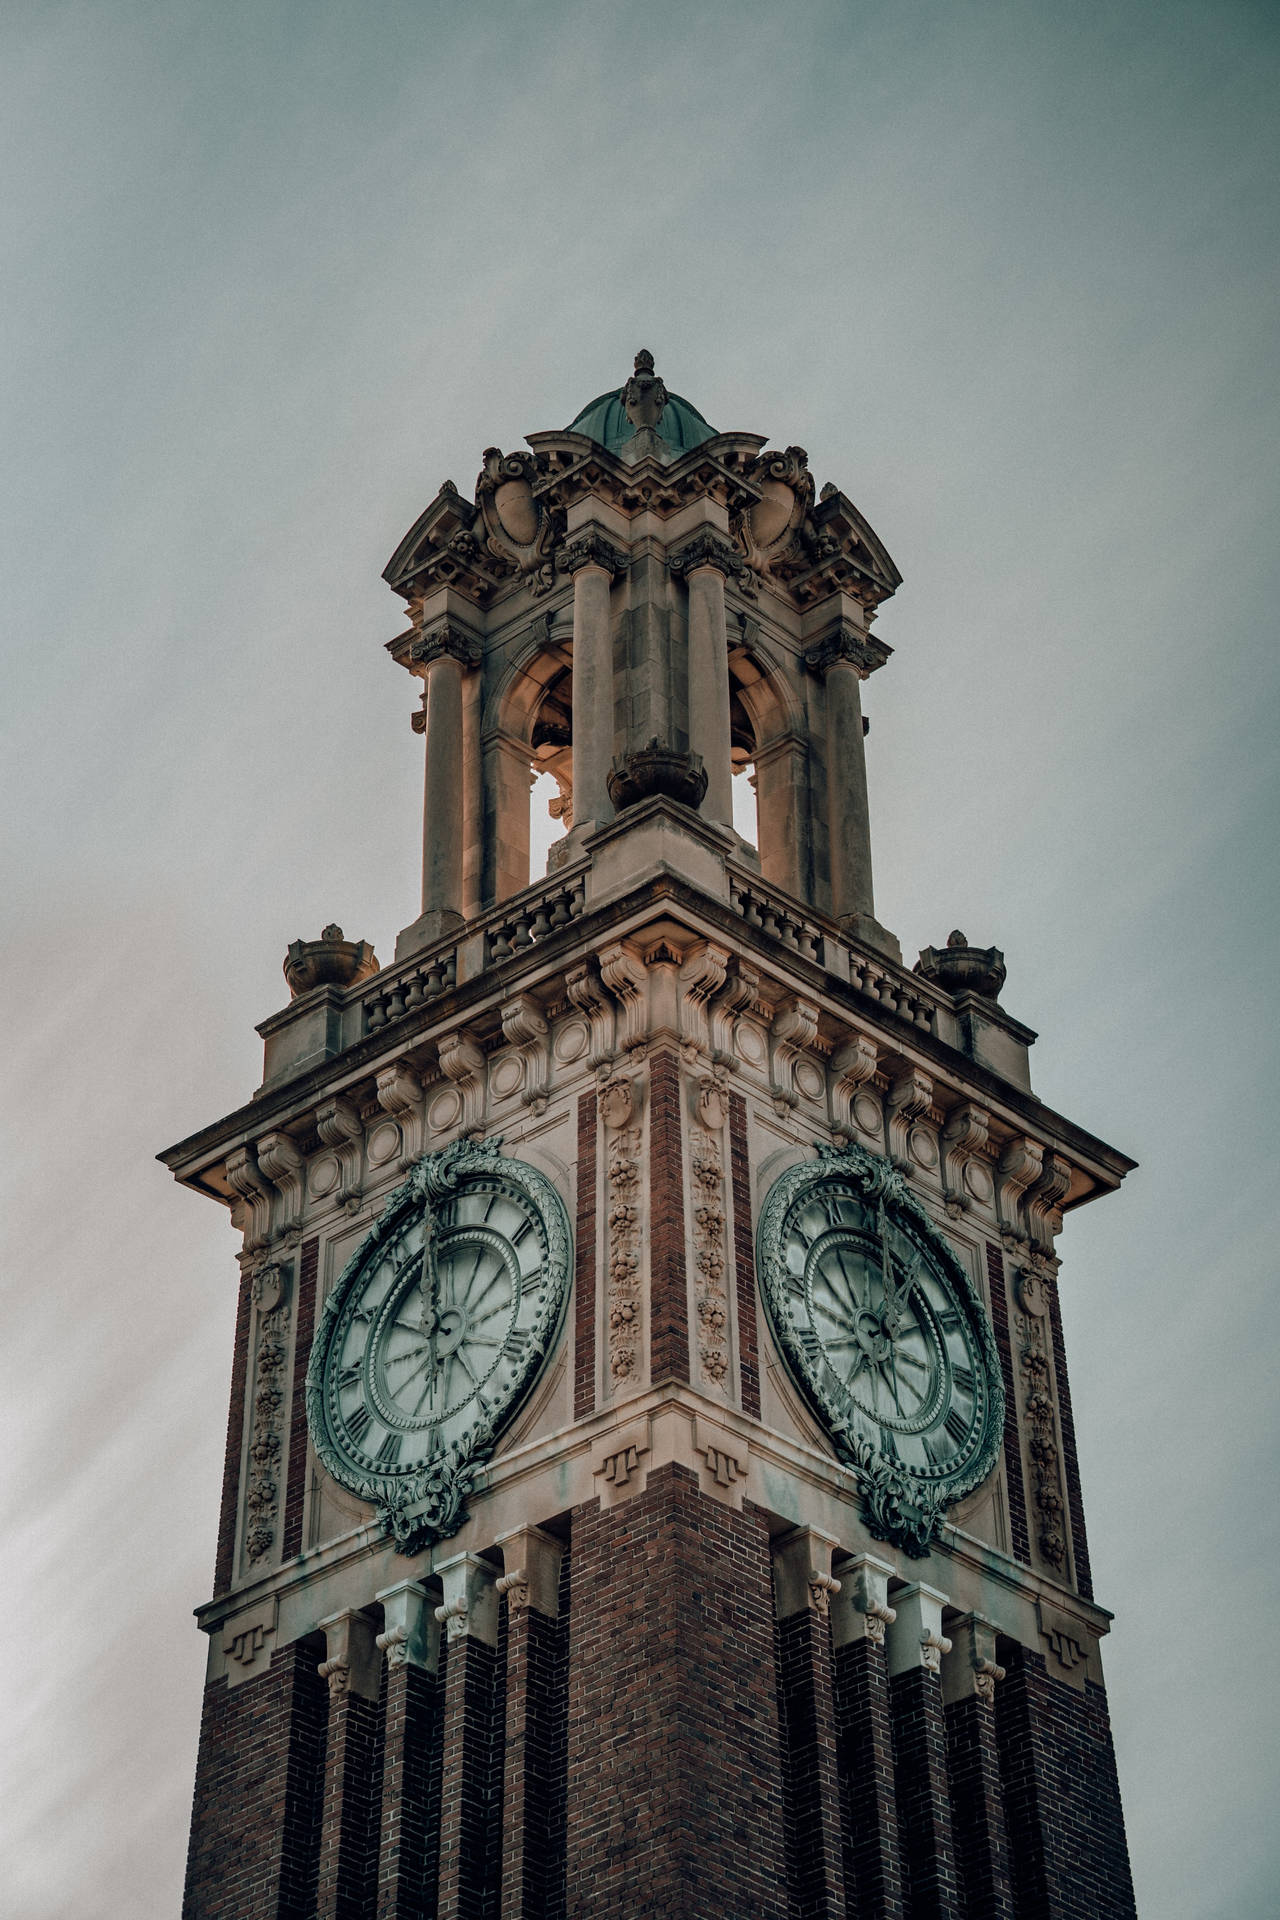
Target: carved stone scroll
{"type": "Point", "coordinates": [339, 1126]}
{"type": "Point", "coordinates": [252, 1207]}
{"type": "Point", "coordinates": [284, 1166]}
{"type": "Point", "coordinates": [625, 977]}
{"type": "Point", "coordinates": [795, 1027]}
{"type": "Point", "coordinates": [400, 1094]}
{"type": "Point", "coordinates": [463, 1062]}
{"type": "Point", "coordinates": [1043, 1201]}
{"type": "Point", "coordinates": [910, 1095]}
{"type": "Point", "coordinates": [701, 977]}
{"type": "Point", "coordinates": [964, 1135]}
{"type": "Point", "coordinates": [852, 1066]}
{"type": "Point", "coordinates": [525, 1028]}
{"type": "Point", "coordinates": [584, 992]}
{"type": "Point", "coordinates": [739, 991]}
{"type": "Point", "coordinates": [1020, 1164]}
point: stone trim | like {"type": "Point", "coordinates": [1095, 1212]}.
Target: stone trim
{"type": "Point", "coordinates": [224, 1564]}
{"type": "Point", "coordinates": [1015, 1484]}
{"type": "Point", "coordinates": [668, 1286]}
{"type": "Point", "coordinates": [1070, 1459]}
{"type": "Point", "coordinates": [744, 1257]}
{"type": "Point", "coordinates": [296, 1481]}
{"type": "Point", "coordinates": [584, 1274]}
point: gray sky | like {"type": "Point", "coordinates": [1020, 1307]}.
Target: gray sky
{"type": "Point", "coordinates": [271, 272]}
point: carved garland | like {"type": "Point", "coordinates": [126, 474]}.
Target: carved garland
{"type": "Point", "coordinates": [1037, 1413]}
{"type": "Point", "coordinates": [262, 1494]}
{"type": "Point", "coordinates": [622, 1290]}
{"type": "Point", "coordinates": [706, 1164]}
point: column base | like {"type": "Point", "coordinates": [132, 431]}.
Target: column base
{"type": "Point", "coordinates": [435, 924]}
{"type": "Point", "coordinates": [865, 928]}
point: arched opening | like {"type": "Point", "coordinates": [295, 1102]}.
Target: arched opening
{"type": "Point", "coordinates": [551, 791]}
{"type": "Point", "coordinates": [742, 755]}
{"type": "Point", "coordinates": [769, 766]}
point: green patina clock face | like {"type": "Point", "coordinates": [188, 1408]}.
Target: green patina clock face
{"type": "Point", "coordinates": [435, 1333]}
{"type": "Point", "coordinates": [886, 1335]}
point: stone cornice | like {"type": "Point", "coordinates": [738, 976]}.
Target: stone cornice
{"type": "Point", "coordinates": [847, 644]}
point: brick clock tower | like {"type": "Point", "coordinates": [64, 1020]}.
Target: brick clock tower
{"type": "Point", "coordinates": [650, 1480]}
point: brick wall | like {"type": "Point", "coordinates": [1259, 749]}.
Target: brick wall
{"type": "Point", "coordinates": [869, 1808]}
{"type": "Point", "coordinates": [744, 1259]}
{"type": "Point", "coordinates": [1067, 1845]}
{"type": "Point", "coordinates": [673, 1755]}
{"type": "Point", "coordinates": [255, 1829]}
{"type": "Point", "coordinates": [924, 1802]}
{"type": "Point", "coordinates": [668, 1287]}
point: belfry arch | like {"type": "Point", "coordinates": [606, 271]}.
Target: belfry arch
{"type": "Point", "coordinates": [765, 734]}
{"type": "Point", "coordinates": [526, 729]}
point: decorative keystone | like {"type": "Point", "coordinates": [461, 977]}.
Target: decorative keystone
{"type": "Point", "coordinates": [960, 968]}
{"type": "Point", "coordinates": [330, 961]}
{"type": "Point", "coordinates": [656, 769]}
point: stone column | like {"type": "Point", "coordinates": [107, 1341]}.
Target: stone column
{"type": "Point", "coordinates": [916, 1645]}
{"type": "Point", "coordinates": [593, 562]}
{"type": "Point", "coordinates": [353, 1768]}
{"type": "Point", "coordinates": [970, 1676]}
{"type": "Point", "coordinates": [859, 1615]}
{"type": "Point", "coordinates": [406, 1852]}
{"type": "Point", "coordinates": [705, 563]}
{"type": "Point", "coordinates": [471, 1764]}
{"type": "Point", "coordinates": [844, 657]}
{"type": "Point", "coordinates": [441, 656]}
{"type": "Point", "coordinates": [803, 1591]}
{"type": "Point", "coordinates": [532, 1848]}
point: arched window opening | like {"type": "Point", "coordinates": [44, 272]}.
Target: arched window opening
{"type": "Point", "coordinates": [742, 754]}
{"type": "Point", "coordinates": [551, 772]}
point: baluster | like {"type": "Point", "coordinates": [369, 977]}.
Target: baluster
{"type": "Point", "coordinates": [541, 924]}
{"type": "Point", "coordinates": [451, 969]}
{"type": "Point", "coordinates": [560, 910]}
{"type": "Point", "coordinates": [395, 1002]}
{"type": "Point", "coordinates": [499, 945]}
{"type": "Point", "coordinates": [577, 899]}
{"type": "Point", "coordinates": [521, 938]}
{"type": "Point", "coordinates": [416, 995]}
{"type": "Point", "coordinates": [375, 1015]}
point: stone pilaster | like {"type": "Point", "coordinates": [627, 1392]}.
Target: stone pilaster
{"type": "Point", "coordinates": [844, 657]}
{"type": "Point", "coordinates": [704, 563]}
{"type": "Point", "coordinates": [916, 1645]}
{"type": "Point", "coordinates": [410, 1641]}
{"type": "Point", "coordinates": [471, 1766]}
{"type": "Point", "coordinates": [864, 1740]}
{"type": "Point", "coordinates": [441, 656]}
{"type": "Point", "coordinates": [803, 1590]}
{"type": "Point", "coordinates": [593, 562]}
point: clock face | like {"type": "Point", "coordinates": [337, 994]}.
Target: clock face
{"type": "Point", "coordinates": [882, 1327]}
{"type": "Point", "coordinates": [439, 1325]}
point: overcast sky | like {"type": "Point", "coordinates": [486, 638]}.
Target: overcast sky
{"type": "Point", "coordinates": [271, 272]}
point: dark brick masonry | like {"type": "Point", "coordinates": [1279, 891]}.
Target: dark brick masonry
{"type": "Point", "coordinates": [350, 1820]}
{"type": "Point", "coordinates": [1020, 1538]}
{"type": "Point", "coordinates": [924, 1804]}
{"type": "Point", "coordinates": [744, 1259]}
{"type": "Point", "coordinates": [977, 1807]}
{"type": "Point", "coordinates": [869, 1808]}
{"type": "Point", "coordinates": [255, 1830]}
{"type": "Point", "coordinates": [1062, 1798]}
{"type": "Point", "coordinates": [407, 1858]}
{"type": "Point", "coordinates": [669, 1292]}
{"type": "Point", "coordinates": [811, 1797]}
{"type": "Point", "coordinates": [674, 1775]}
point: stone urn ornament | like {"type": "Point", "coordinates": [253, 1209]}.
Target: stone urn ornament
{"type": "Point", "coordinates": [330, 961]}
{"type": "Point", "coordinates": [960, 968]}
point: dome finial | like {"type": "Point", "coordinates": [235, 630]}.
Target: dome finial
{"type": "Point", "coordinates": [644, 395]}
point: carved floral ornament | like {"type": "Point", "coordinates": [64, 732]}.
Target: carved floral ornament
{"type": "Point", "coordinates": [886, 1336]}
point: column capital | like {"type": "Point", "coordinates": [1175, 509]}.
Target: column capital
{"type": "Point", "coordinates": [707, 549]}
{"type": "Point", "coordinates": [845, 644]}
{"type": "Point", "coordinates": [531, 1577]}
{"type": "Point", "coordinates": [446, 638]}
{"type": "Point", "coordinates": [969, 1670]}
{"type": "Point", "coordinates": [917, 1639]}
{"type": "Point", "coordinates": [469, 1609]}
{"type": "Point", "coordinates": [802, 1577]}
{"type": "Point", "coordinates": [411, 1633]}
{"type": "Point", "coordinates": [863, 1611]}
{"type": "Point", "coordinates": [351, 1662]}
{"type": "Point", "coordinates": [590, 549]}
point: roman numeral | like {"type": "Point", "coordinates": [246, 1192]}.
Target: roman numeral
{"type": "Point", "coordinates": [957, 1426]}
{"type": "Point", "coordinates": [349, 1375]}
{"type": "Point", "coordinates": [358, 1421]}
{"type": "Point", "coordinates": [530, 1282]}
{"type": "Point", "coordinates": [389, 1452]}
{"type": "Point", "coordinates": [931, 1454]}
{"type": "Point", "coordinates": [963, 1377]}
{"type": "Point", "coordinates": [516, 1345]}
{"type": "Point", "coordinates": [833, 1207]}
{"type": "Point", "coordinates": [888, 1445]}
{"type": "Point", "coordinates": [526, 1226]}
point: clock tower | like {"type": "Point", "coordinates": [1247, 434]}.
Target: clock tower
{"type": "Point", "coordinates": [650, 1480]}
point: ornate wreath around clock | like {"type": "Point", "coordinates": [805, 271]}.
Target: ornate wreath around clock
{"type": "Point", "coordinates": [435, 1333]}
{"type": "Point", "coordinates": [887, 1337]}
